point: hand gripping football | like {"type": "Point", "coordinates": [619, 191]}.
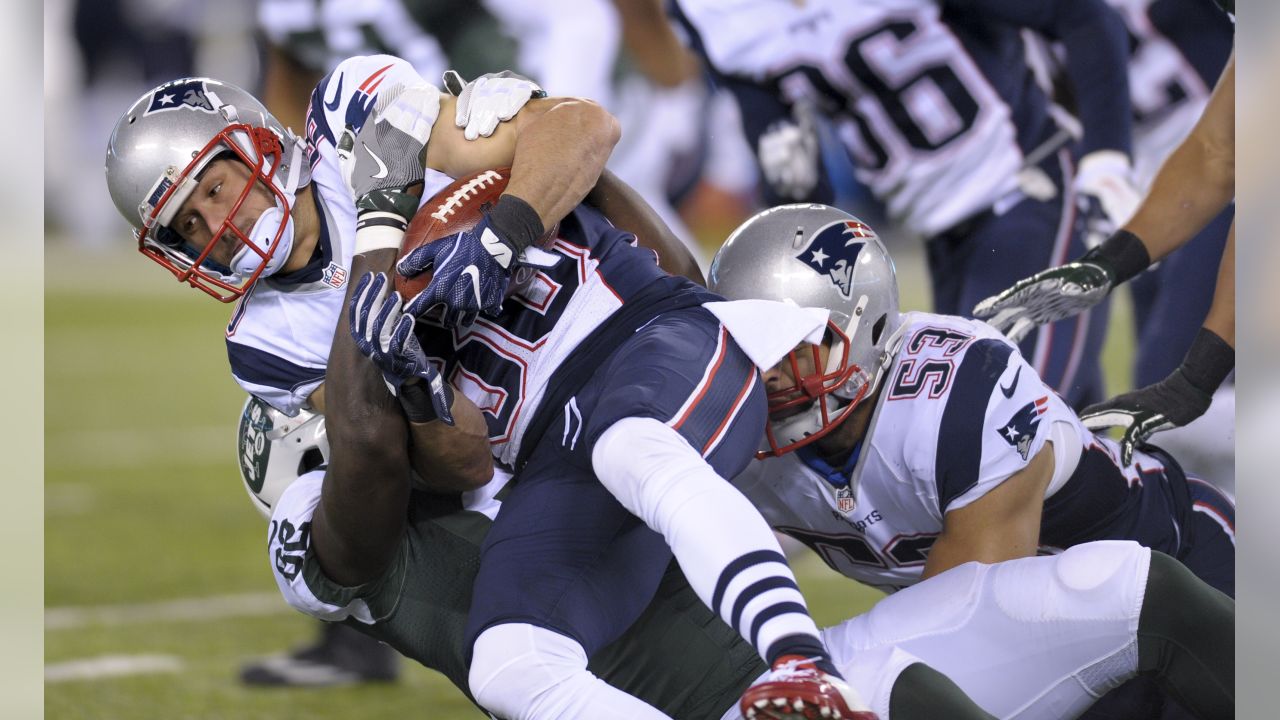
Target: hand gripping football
{"type": "Point", "coordinates": [452, 210]}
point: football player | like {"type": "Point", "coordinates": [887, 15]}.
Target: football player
{"type": "Point", "coordinates": [944, 124]}
{"type": "Point", "coordinates": [1033, 638]}
{"type": "Point", "coordinates": [903, 444]}
{"type": "Point", "coordinates": [1193, 187]}
{"type": "Point", "coordinates": [235, 205]}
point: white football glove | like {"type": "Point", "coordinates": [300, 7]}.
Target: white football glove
{"type": "Point", "coordinates": [1105, 194]}
{"type": "Point", "coordinates": [788, 153]}
{"type": "Point", "coordinates": [488, 100]}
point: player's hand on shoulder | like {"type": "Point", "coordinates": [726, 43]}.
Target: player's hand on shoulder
{"type": "Point", "coordinates": [1048, 296]}
{"type": "Point", "coordinates": [384, 334]}
{"type": "Point", "coordinates": [471, 269]}
{"type": "Point", "coordinates": [488, 100]}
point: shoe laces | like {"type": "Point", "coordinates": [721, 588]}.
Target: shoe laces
{"type": "Point", "coordinates": [796, 668]}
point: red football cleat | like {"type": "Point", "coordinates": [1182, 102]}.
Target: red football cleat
{"type": "Point", "coordinates": [797, 690]}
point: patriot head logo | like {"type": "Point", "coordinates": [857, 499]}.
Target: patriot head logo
{"type": "Point", "coordinates": [190, 94]}
{"type": "Point", "coordinates": [1021, 428]}
{"type": "Point", "coordinates": [833, 251]}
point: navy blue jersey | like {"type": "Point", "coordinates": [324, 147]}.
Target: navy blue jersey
{"type": "Point", "coordinates": [505, 364]}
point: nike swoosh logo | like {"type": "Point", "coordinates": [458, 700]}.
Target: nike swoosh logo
{"type": "Point", "coordinates": [382, 167]}
{"type": "Point", "coordinates": [474, 273]}
{"type": "Point", "coordinates": [337, 96]}
{"type": "Point", "coordinates": [1008, 391]}
{"type": "Point", "coordinates": [498, 249]}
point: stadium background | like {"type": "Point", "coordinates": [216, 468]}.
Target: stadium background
{"type": "Point", "coordinates": [154, 576]}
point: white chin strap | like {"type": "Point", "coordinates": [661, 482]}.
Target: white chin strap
{"type": "Point", "coordinates": [246, 262]}
{"type": "Point", "coordinates": [804, 423]}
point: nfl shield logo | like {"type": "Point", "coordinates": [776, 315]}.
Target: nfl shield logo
{"type": "Point", "coordinates": [844, 500]}
{"type": "Point", "coordinates": [335, 275]}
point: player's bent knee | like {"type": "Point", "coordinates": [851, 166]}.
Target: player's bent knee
{"type": "Point", "coordinates": [516, 668]}
{"type": "Point", "coordinates": [1083, 568]}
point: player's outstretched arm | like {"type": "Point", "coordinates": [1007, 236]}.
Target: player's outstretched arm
{"type": "Point", "coordinates": [1196, 181]}
{"type": "Point", "coordinates": [1188, 391]}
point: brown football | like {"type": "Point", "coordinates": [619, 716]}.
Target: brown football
{"type": "Point", "coordinates": [453, 209]}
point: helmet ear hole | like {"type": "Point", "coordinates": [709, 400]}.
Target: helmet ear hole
{"type": "Point", "coordinates": [311, 459]}
{"type": "Point", "coordinates": [878, 329]}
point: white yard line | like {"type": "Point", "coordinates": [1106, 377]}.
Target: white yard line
{"type": "Point", "coordinates": [106, 666]}
{"type": "Point", "coordinates": [216, 607]}
{"type": "Point", "coordinates": [110, 666]}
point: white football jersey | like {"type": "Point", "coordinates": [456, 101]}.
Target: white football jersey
{"type": "Point", "coordinates": [280, 333]}
{"type": "Point", "coordinates": [933, 139]}
{"type": "Point", "coordinates": [959, 413]}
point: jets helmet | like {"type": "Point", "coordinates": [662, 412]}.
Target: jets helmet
{"type": "Point", "coordinates": [816, 256]}
{"type": "Point", "coordinates": [274, 450]}
{"type": "Point", "coordinates": [155, 156]}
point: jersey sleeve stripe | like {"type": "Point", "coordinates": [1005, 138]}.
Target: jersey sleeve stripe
{"type": "Point", "coordinates": [316, 114]}
{"type": "Point", "coordinates": [258, 367]}
{"type": "Point", "coordinates": [959, 454]}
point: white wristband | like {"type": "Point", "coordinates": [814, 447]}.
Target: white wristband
{"type": "Point", "coordinates": [377, 237]}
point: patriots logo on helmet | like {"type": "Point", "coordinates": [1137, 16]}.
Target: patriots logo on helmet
{"type": "Point", "coordinates": [1021, 428]}
{"type": "Point", "coordinates": [183, 94]}
{"type": "Point", "coordinates": [834, 250]}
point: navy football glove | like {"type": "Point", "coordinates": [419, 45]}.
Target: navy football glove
{"type": "Point", "coordinates": [472, 268]}
{"type": "Point", "coordinates": [385, 335]}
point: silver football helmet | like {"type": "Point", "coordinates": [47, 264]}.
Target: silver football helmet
{"type": "Point", "coordinates": [155, 156]}
{"type": "Point", "coordinates": [274, 449]}
{"type": "Point", "coordinates": [821, 257]}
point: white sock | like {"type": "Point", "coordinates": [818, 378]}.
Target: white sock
{"type": "Point", "coordinates": [727, 551]}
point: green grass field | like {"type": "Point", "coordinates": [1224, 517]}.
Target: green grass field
{"type": "Point", "coordinates": [156, 581]}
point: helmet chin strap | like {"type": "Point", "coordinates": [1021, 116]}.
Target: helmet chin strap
{"type": "Point", "coordinates": [805, 423]}
{"type": "Point", "coordinates": [246, 261]}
